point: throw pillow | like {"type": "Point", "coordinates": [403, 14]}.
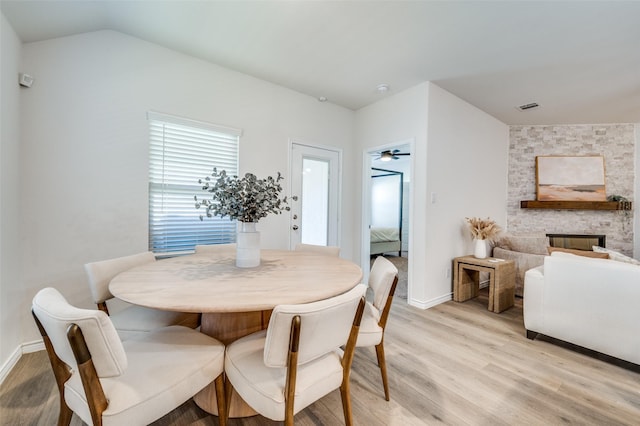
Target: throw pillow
{"type": "Point", "coordinates": [585, 253]}
{"type": "Point", "coordinates": [533, 244]}
{"type": "Point", "coordinates": [616, 255]}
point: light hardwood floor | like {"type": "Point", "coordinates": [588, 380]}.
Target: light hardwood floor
{"type": "Point", "coordinates": [454, 364]}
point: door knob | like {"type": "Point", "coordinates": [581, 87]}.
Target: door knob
{"type": "Point", "coordinates": [295, 227]}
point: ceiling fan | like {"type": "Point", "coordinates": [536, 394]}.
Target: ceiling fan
{"type": "Point", "coordinates": [391, 155]}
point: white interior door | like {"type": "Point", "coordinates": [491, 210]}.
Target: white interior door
{"type": "Point", "coordinates": [315, 187]}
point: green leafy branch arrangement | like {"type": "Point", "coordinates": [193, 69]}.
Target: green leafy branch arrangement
{"type": "Point", "coordinates": [246, 199]}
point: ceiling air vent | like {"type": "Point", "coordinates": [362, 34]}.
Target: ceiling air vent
{"type": "Point", "coordinates": [528, 106]}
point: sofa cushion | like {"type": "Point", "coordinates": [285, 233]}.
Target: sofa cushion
{"type": "Point", "coordinates": [524, 262]}
{"type": "Point", "coordinates": [615, 255]}
{"type": "Point", "coordinates": [526, 243]}
{"type": "Point", "coordinates": [586, 253]}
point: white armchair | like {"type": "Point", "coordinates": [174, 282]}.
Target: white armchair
{"type": "Point", "coordinates": [382, 280]}
{"type": "Point", "coordinates": [298, 359]}
{"type": "Point", "coordinates": [109, 382]}
{"type": "Point", "coordinates": [132, 320]}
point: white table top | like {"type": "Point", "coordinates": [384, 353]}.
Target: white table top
{"type": "Point", "coordinates": [210, 282]}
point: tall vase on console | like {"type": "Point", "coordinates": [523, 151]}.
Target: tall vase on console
{"type": "Point", "coordinates": [480, 249]}
{"type": "Point", "coordinates": [247, 245]}
{"type": "Point", "coordinates": [483, 231]}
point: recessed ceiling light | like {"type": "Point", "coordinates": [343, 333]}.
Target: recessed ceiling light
{"type": "Point", "coordinates": [322, 99]}
{"type": "Point", "coordinates": [382, 88]}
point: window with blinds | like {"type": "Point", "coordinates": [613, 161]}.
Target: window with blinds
{"type": "Point", "coordinates": [181, 152]}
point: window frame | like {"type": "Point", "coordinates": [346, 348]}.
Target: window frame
{"type": "Point", "coordinates": [178, 148]}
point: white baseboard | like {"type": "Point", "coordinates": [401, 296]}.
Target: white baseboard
{"type": "Point", "coordinates": [25, 348]}
{"type": "Point", "coordinates": [430, 303]}
{"type": "Point", "coordinates": [10, 363]}
{"type": "Point", "coordinates": [35, 346]}
{"type": "Point", "coordinates": [426, 304]}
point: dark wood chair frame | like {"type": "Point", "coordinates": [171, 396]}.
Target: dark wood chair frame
{"type": "Point", "coordinates": [292, 368]}
{"type": "Point", "coordinates": [61, 371]}
{"type": "Point", "coordinates": [96, 398]}
{"type": "Point", "coordinates": [382, 363]}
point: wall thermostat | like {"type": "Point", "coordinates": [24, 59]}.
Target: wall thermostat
{"type": "Point", "coordinates": [25, 80]}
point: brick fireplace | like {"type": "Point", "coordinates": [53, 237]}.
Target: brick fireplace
{"type": "Point", "coordinates": [614, 141]}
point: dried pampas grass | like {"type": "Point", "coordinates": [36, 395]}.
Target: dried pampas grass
{"type": "Point", "coordinates": [483, 229]}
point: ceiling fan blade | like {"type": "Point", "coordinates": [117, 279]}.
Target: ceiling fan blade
{"type": "Point", "coordinates": [390, 155]}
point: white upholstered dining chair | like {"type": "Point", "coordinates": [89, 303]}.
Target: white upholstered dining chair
{"type": "Point", "coordinates": [106, 381]}
{"type": "Point", "coordinates": [297, 360]}
{"type": "Point", "coordinates": [383, 279]}
{"type": "Point", "coordinates": [131, 320]}
{"type": "Point", "coordinates": [312, 248]}
{"type": "Point", "coordinates": [214, 248]}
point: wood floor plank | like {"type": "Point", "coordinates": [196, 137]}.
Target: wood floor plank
{"type": "Point", "coordinates": [453, 364]}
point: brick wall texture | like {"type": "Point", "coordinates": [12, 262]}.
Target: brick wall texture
{"type": "Point", "coordinates": [613, 141]}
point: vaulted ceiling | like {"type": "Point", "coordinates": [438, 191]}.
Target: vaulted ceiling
{"type": "Point", "coordinates": [580, 61]}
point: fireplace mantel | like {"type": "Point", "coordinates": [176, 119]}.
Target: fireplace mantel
{"type": "Point", "coordinates": [576, 205]}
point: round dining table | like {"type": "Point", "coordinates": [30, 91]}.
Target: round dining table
{"type": "Point", "coordinates": [233, 301]}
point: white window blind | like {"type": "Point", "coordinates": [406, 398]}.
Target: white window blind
{"type": "Point", "coordinates": [181, 152]}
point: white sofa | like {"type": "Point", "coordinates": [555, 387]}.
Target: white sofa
{"type": "Point", "coordinates": [593, 303]}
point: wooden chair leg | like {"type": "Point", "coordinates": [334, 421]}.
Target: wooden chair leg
{"type": "Point", "coordinates": [288, 419]}
{"type": "Point", "coordinates": [346, 402]}
{"type": "Point", "coordinates": [64, 419]}
{"type": "Point", "coordinates": [383, 368]}
{"type": "Point", "coordinates": [228, 391]}
{"type": "Point", "coordinates": [223, 411]}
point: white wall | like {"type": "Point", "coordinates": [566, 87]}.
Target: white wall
{"type": "Point", "coordinates": [460, 154]}
{"type": "Point", "coordinates": [85, 144]}
{"type": "Point", "coordinates": [11, 289]}
{"type": "Point", "coordinates": [385, 201]}
{"type": "Point", "coordinates": [467, 155]}
{"type": "Point", "coordinates": [394, 120]}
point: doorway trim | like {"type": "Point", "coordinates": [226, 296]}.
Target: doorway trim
{"type": "Point", "coordinates": [366, 210]}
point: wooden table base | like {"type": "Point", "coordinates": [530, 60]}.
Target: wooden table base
{"type": "Point", "coordinates": [227, 328]}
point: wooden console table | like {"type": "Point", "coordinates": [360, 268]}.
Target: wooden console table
{"type": "Point", "coordinates": [502, 276]}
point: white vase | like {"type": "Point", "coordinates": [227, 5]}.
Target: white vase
{"type": "Point", "coordinates": [480, 249]}
{"type": "Point", "coordinates": [247, 245]}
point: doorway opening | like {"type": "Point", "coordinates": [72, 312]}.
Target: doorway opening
{"type": "Point", "coordinates": [386, 211]}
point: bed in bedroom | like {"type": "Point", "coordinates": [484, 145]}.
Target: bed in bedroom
{"type": "Point", "coordinates": [384, 240]}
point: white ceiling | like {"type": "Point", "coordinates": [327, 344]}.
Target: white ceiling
{"type": "Point", "coordinates": [579, 60]}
